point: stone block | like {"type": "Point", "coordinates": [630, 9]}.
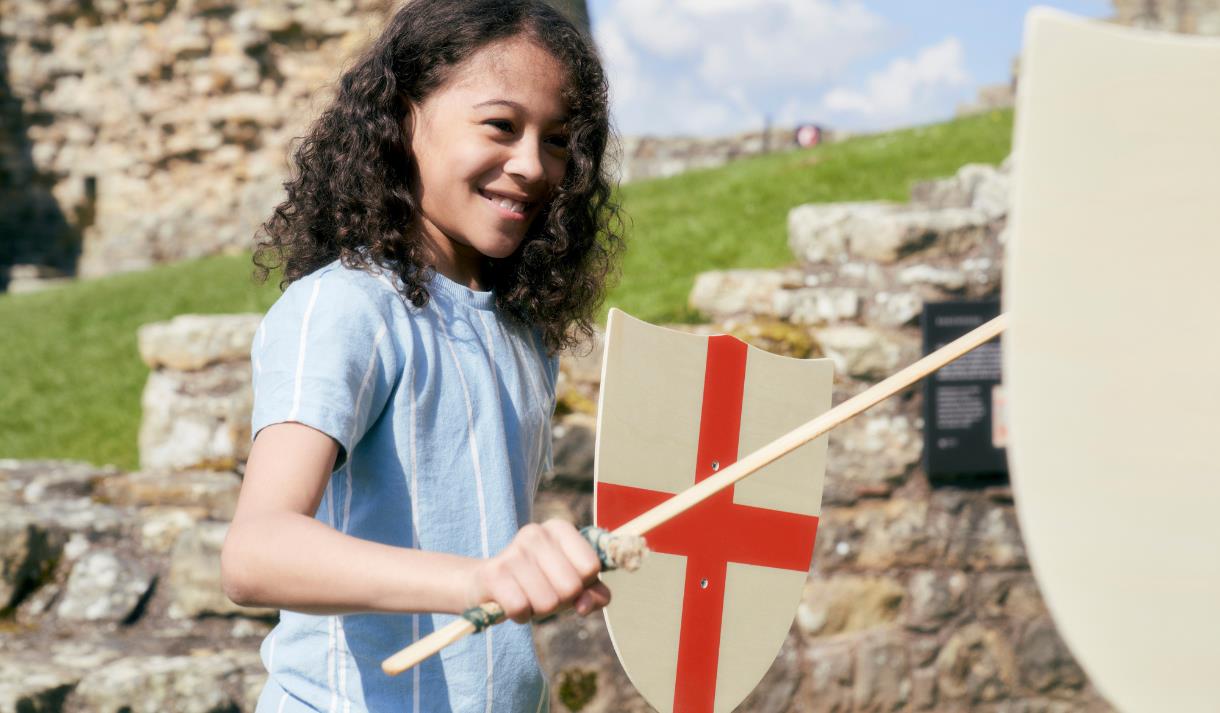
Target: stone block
{"type": "Point", "coordinates": [870, 455]}
{"type": "Point", "coordinates": [829, 666]}
{"type": "Point", "coordinates": [900, 532]}
{"type": "Point", "coordinates": [941, 278]}
{"type": "Point", "coordinates": [816, 305]}
{"type": "Point", "coordinates": [196, 419]}
{"type": "Point", "coordinates": [936, 597]}
{"type": "Point", "coordinates": [191, 342]}
{"type": "Point", "coordinates": [976, 665]}
{"type": "Point", "coordinates": [204, 683]}
{"type": "Point", "coordinates": [986, 536]}
{"type": "Point", "coordinates": [820, 233]}
{"type": "Point", "coordinates": [572, 449]}
{"type": "Point", "coordinates": [859, 352]}
{"type": "Point", "coordinates": [213, 491]}
{"type": "Point", "coordinates": [1044, 661]}
{"type": "Point", "coordinates": [31, 685]}
{"type": "Point", "coordinates": [724, 293]}
{"type": "Point", "coordinates": [36, 481]}
{"type": "Point", "coordinates": [887, 236]}
{"type": "Point", "coordinates": [844, 603]}
{"type": "Point", "coordinates": [1008, 595]}
{"type": "Point", "coordinates": [104, 586]}
{"type": "Point", "coordinates": [194, 576]}
{"type": "Point", "coordinates": [882, 681]}
{"type": "Point", "coordinates": [895, 309]}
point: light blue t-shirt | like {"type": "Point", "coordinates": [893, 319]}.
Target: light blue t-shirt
{"type": "Point", "coordinates": [443, 418]}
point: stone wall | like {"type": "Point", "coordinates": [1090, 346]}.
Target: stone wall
{"type": "Point", "coordinates": [1195, 17]}
{"type": "Point", "coordinates": [920, 596]}
{"type": "Point", "coordinates": [139, 132]}
{"type": "Point", "coordinates": [159, 130]}
{"type": "Point", "coordinates": [643, 157]}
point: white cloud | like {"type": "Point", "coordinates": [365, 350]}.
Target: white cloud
{"type": "Point", "coordinates": [704, 66]}
{"type": "Point", "coordinates": [906, 91]}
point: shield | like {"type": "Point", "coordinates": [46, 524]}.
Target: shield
{"type": "Point", "coordinates": [1110, 360]}
{"type": "Point", "coordinates": [701, 621]}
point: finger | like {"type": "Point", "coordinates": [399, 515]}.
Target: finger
{"type": "Point", "coordinates": [554, 563]}
{"type": "Point", "coordinates": [593, 598]}
{"type": "Point", "coordinates": [542, 596]}
{"type": "Point", "coordinates": [506, 592]}
{"type": "Point", "coordinates": [576, 548]}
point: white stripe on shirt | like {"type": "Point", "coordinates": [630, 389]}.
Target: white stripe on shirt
{"type": "Point", "coordinates": [478, 478]}
{"type": "Point", "coordinates": [296, 386]}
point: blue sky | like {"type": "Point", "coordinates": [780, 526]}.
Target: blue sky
{"type": "Point", "coordinates": [709, 67]}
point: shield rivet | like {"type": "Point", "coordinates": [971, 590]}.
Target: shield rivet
{"type": "Point", "coordinates": [715, 466]}
{"type": "Point", "coordinates": [703, 584]}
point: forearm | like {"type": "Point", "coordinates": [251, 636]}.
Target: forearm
{"type": "Point", "coordinates": [291, 561]}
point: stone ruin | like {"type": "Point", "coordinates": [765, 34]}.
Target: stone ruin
{"type": "Point", "coordinates": [920, 597]}
{"type": "Point", "coordinates": [139, 132]}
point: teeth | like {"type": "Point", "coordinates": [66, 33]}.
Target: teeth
{"type": "Point", "coordinates": [514, 206]}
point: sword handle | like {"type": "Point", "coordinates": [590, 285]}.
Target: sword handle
{"type": "Point", "coordinates": [473, 620]}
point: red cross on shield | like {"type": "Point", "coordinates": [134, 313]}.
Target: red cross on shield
{"type": "Point", "coordinates": [701, 622]}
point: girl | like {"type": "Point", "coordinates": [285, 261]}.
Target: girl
{"type": "Point", "coordinates": [449, 229]}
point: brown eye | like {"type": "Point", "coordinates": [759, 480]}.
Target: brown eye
{"type": "Point", "coordinates": [558, 142]}
{"type": "Point", "coordinates": [501, 124]}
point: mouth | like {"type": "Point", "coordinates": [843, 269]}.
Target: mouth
{"type": "Point", "coordinates": [507, 207]}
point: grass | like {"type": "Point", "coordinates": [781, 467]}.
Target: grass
{"type": "Point", "coordinates": [70, 373]}
{"type": "Point", "coordinates": [71, 377]}
{"type": "Point", "coordinates": [736, 216]}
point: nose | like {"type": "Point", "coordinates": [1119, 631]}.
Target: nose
{"type": "Point", "coordinates": [526, 160]}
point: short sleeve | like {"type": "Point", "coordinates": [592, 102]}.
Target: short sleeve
{"type": "Point", "coordinates": [323, 356]}
{"type": "Point", "coordinates": [552, 375]}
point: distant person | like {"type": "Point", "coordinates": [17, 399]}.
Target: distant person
{"type": "Point", "coordinates": [808, 135]}
{"type": "Point", "coordinates": [448, 229]}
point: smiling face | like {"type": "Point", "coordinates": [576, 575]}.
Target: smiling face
{"type": "Point", "coordinates": [490, 147]}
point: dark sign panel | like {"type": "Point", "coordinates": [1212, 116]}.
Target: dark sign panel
{"type": "Point", "coordinates": [964, 432]}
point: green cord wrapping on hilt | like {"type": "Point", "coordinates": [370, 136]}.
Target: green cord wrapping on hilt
{"type": "Point", "coordinates": [480, 618]}
{"type": "Point", "coordinates": [597, 539]}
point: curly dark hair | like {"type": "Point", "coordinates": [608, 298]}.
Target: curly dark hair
{"type": "Point", "coordinates": [351, 197]}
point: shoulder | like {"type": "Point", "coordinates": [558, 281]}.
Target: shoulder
{"type": "Point", "coordinates": [336, 293]}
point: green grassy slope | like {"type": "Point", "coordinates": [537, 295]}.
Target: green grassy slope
{"type": "Point", "coordinates": [736, 216]}
{"type": "Point", "coordinates": [71, 378]}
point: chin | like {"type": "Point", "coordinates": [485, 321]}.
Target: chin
{"type": "Point", "coordinates": [501, 250]}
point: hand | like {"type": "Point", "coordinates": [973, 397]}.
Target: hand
{"type": "Point", "coordinates": [545, 568]}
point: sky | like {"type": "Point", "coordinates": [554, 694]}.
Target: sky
{"type": "Point", "coordinates": [714, 67]}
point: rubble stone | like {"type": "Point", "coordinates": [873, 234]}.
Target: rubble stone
{"type": "Point", "coordinates": [153, 684]}
{"type": "Point", "coordinates": [976, 665]}
{"type": "Point", "coordinates": [104, 586]}
{"type": "Point", "coordinates": [882, 680]}
{"type": "Point", "coordinates": [820, 233]}
{"type": "Point", "coordinates": [1044, 660]}
{"type": "Point", "coordinates": [935, 598]}
{"type": "Point", "coordinates": [191, 342]}
{"type": "Point", "coordinates": [34, 686]}
{"type": "Point", "coordinates": [859, 351]}
{"type": "Point", "coordinates": [847, 603]}
{"type": "Point", "coordinates": [196, 419]}
{"type": "Point", "coordinates": [213, 491]}
{"type": "Point", "coordinates": [194, 576]}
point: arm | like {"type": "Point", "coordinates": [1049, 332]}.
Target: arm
{"type": "Point", "coordinates": [272, 551]}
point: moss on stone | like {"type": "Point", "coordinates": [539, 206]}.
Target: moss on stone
{"type": "Point", "coordinates": [577, 687]}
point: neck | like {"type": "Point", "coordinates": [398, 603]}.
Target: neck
{"type": "Point", "coordinates": [460, 263]}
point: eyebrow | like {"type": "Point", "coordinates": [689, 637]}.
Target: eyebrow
{"type": "Point", "coordinates": [513, 105]}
